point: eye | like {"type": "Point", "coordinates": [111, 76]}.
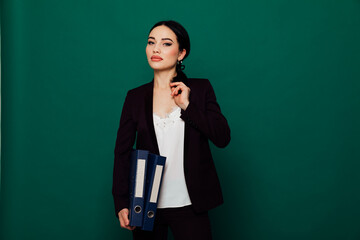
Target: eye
{"type": "Point", "coordinates": [150, 42]}
{"type": "Point", "coordinates": [167, 44]}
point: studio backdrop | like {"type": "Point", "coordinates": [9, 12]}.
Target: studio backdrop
{"type": "Point", "coordinates": [286, 75]}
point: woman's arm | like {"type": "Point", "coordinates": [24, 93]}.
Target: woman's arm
{"type": "Point", "coordinates": [124, 142]}
{"type": "Point", "coordinates": [210, 122]}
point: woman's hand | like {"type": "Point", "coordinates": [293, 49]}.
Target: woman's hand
{"type": "Point", "coordinates": [181, 93]}
{"type": "Point", "coordinates": [124, 219]}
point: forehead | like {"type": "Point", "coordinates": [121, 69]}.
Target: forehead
{"type": "Point", "coordinates": [162, 32]}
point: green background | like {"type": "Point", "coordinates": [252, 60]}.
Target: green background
{"type": "Point", "coordinates": [286, 75]}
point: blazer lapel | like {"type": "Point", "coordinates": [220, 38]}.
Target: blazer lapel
{"type": "Point", "coordinates": [149, 117]}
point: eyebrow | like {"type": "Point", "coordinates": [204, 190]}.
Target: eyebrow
{"type": "Point", "coordinates": [162, 39]}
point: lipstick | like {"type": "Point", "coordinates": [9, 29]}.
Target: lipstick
{"type": "Point", "coordinates": [156, 58]}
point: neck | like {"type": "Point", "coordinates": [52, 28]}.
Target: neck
{"type": "Point", "coordinates": [162, 79]}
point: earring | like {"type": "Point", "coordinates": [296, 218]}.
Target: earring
{"type": "Point", "coordinates": [179, 63]}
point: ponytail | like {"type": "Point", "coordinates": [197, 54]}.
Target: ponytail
{"type": "Point", "coordinates": [180, 75]}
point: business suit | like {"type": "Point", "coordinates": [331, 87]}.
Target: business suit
{"type": "Point", "coordinates": [203, 120]}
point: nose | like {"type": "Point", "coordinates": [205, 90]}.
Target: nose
{"type": "Point", "coordinates": [156, 49]}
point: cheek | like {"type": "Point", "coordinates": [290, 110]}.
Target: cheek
{"type": "Point", "coordinates": [148, 51]}
{"type": "Point", "coordinates": [173, 52]}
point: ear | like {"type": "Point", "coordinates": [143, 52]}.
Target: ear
{"type": "Point", "coordinates": [182, 54]}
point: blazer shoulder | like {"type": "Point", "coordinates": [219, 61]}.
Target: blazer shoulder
{"type": "Point", "coordinates": [201, 83]}
{"type": "Point", "coordinates": [198, 80]}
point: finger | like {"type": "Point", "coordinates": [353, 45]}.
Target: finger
{"type": "Point", "coordinates": [176, 91]}
{"type": "Point", "coordinates": [126, 222]}
{"type": "Point", "coordinates": [129, 228]}
{"type": "Point", "coordinates": [123, 220]}
{"type": "Point", "coordinates": [125, 217]}
{"type": "Point", "coordinates": [173, 84]}
{"type": "Point", "coordinates": [179, 89]}
{"type": "Point", "coordinates": [173, 90]}
{"type": "Point", "coordinates": [126, 226]}
{"type": "Point", "coordinates": [122, 224]}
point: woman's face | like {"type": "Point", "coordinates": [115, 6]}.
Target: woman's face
{"type": "Point", "coordinates": [162, 49]}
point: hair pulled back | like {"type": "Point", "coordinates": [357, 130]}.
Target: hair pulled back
{"type": "Point", "coordinates": [184, 43]}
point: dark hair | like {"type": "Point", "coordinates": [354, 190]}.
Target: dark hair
{"type": "Point", "coordinates": [184, 43]}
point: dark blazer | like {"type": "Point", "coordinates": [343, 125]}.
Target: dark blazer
{"type": "Point", "coordinates": [203, 120]}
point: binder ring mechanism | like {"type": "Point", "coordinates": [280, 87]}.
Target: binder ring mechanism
{"type": "Point", "coordinates": [137, 209]}
{"type": "Point", "coordinates": [150, 214]}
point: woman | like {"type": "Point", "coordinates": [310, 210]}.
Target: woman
{"type": "Point", "coordinates": [172, 116]}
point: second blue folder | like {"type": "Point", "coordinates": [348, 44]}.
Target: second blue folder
{"type": "Point", "coordinates": [155, 170]}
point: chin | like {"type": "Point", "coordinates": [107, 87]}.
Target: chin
{"type": "Point", "coordinates": [161, 67]}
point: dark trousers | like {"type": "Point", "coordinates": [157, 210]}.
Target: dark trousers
{"type": "Point", "coordinates": [183, 222]}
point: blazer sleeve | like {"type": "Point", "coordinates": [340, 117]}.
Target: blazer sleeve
{"type": "Point", "coordinates": [124, 142]}
{"type": "Point", "coordinates": [210, 121]}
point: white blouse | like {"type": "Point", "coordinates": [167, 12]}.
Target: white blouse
{"type": "Point", "coordinates": [170, 138]}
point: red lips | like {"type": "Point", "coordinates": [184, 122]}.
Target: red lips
{"type": "Point", "coordinates": [156, 58]}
